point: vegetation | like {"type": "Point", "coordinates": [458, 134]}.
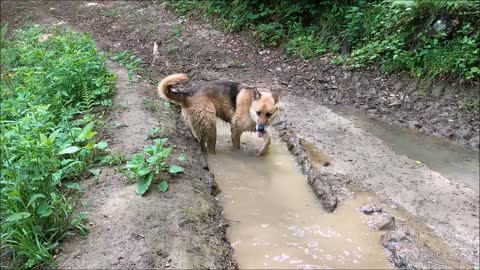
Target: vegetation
{"type": "Point", "coordinates": [147, 166]}
{"type": "Point", "coordinates": [425, 38]}
{"type": "Point", "coordinates": [52, 80]}
{"type": "Point", "coordinates": [131, 62]}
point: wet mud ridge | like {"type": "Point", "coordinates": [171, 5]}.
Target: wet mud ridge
{"type": "Point", "coordinates": [403, 239]}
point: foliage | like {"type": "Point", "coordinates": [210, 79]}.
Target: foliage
{"type": "Point", "coordinates": [147, 166]}
{"type": "Point", "coordinates": [129, 61]}
{"type": "Point", "coordinates": [399, 36]}
{"type": "Point", "coordinates": [50, 77]}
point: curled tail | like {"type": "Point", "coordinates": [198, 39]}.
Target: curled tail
{"type": "Point", "coordinates": [165, 91]}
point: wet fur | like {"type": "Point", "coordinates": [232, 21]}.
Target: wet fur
{"type": "Point", "coordinates": [230, 101]}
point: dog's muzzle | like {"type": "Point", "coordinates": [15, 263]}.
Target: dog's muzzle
{"type": "Point", "coordinates": [261, 130]}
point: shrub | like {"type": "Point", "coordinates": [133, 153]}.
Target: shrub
{"type": "Point", "coordinates": [50, 77]}
{"type": "Point", "coordinates": [425, 38]}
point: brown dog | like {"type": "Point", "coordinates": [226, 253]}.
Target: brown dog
{"type": "Point", "coordinates": [245, 108]}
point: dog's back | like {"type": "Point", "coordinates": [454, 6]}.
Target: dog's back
{"type": "Point", "coordinates": [223, 94]}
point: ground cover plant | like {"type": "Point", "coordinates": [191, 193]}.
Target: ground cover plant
{"type": "Point", "coordinates": [52, 81]}
{"type": "Point", "coordinates": [424, 38]}
{"type": "Point", "coordinates": [147, 166]}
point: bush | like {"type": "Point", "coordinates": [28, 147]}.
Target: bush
{"type": "Point", "coordinates": [50, 78]}
{"type": "Point", "coordinates": [425, 38]}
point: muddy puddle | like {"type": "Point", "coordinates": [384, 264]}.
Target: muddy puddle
{"type": "Point", "coordinates": [450, 159]}
{"type": "Point", "coordinates": [275, 219]}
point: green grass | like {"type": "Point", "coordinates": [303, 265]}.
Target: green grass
{"type": "Point", "coordinates": [113, 13]}
{"type": "Point", "coordinates": [51, 81]}
{"type": "Point", "coordinates": [396, 36]}
{"type": "Point", "coordinates": [130, 61]}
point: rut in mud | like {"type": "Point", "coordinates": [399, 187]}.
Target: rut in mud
{"type": "Point", "coordinates": [183, 228]}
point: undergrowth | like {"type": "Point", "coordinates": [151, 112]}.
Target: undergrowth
{"type": "Point", "coordinates": [425, 38]}
{"type": "Point", "coordinates": [52, 80]}
{"type": "Point", "coordinates": [130, 61]}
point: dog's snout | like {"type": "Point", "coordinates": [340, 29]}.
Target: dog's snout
{"type": "Point", "coordinates": [261, 128]}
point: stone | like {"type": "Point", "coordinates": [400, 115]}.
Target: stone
{"type": "Point", "coordinates": [438, 90]}
{"type": "Point", "coordinates": [370, 208]}
{"type": "Point", "coordinates": [381, 222]}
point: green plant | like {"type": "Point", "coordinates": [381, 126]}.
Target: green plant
{"type": "Point", "coordinates": [473, 104]}
{"type": "Point", "coordinates": [113, 159]}
{"type": "Point", "coordinates": [176, 30]}
{"type": "Point", "coordinates": [109, 13]}
{"type": "Point", "coordinates": [270, 34]}
{"type": "Point", "coordinates": [147, 166]}
{"type": "Point", "coordinates": [154, 133]}
{"type": "Point", "coordinates": [130, 61]}
{"type": "Point", "coordinates": [424, 38]}
{"type": "Point", "coordinates": [51, 79]}
{"type": "Point", "coordinates": [151, 104]}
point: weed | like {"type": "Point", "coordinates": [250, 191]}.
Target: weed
{"type": "Point", "coordinates": [110, 13]}
{"type": "Point", "coordinates": [151, 104]}
{"type": "Point", "coordinates": [171, 49]}
{"type": "Point", "coordinates": [473, 105]}
{"type": "Point", "coordinates": [51, 79]}
{"type": "Point", "coordinates": [113, 159]}
{"type": "Point", "coordinates": [154, 133]}
{"type": "Point", "coordinates": [129, 61]}
{"type": "Point", "coordinates": [147, 166]}
{"type": "Point", "coordinates": [176, 30]}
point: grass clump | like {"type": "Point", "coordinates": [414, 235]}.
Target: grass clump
{"type": "Point", "coordinates": [50, 79]}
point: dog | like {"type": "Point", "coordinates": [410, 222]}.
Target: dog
{"type": "Point", "coordinates": [247, 109]}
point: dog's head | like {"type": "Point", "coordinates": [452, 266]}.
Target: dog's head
{"type": "Point", "coordinates": [264, 108]}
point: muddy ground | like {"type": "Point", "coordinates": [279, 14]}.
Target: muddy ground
{"type": "Point", "coordinates": [125, 228]}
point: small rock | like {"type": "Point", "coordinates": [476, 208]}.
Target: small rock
{"type": "Point", "coordinates": [370, 209]}
{"type": "Point", "coordinates": [438, 90]}
{"type": "Point", "coordinates": [381, 222]}
{"type": "Point", "coordinates": [414, 124]}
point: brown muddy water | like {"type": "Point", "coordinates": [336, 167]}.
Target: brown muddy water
{"type": "Point", "coordinates": [276, 221]}
{"type": "Point", "coordinates": [450, 159]}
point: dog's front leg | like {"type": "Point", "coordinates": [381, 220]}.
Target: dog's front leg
{"type": "Point", "coordinates": [266, 143]}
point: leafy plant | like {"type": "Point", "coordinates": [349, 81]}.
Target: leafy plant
{"type": "Point", "coordinates": [51, 79]}
{"type": "Point", "coordinates": [109, 13]}
{"type": "Point", "coordinates": [425, 38]}
{"type": "Point", "coordinates": [147, 166]}
{"type": "Point", "coordinates": [176, 30]}
{"type": "Point", "coordinates": [130, 61]}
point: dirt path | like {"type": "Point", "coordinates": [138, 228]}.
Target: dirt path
{"type": "Point", "coordinates": [180, 228]}
{"type": "Point", "coordinates": [448, 209]}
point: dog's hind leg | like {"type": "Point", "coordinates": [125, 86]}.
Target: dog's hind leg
{"type": "Point", "coordinates": [202, 144]}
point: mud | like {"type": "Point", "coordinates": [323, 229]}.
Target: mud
{"type": "Point", "coordinates": [276, 221]}
{"type": "Point", "coordinates": [335, 155]}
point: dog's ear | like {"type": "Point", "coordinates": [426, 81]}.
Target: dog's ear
{"type": "Point", "coordinates": [276, 94]}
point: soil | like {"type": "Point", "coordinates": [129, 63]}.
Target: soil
{"type": "Point", "coordinates": [183, 228]}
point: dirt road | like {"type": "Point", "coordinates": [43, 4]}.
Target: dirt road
{"type": "Point", "coordinates": [125, 228]}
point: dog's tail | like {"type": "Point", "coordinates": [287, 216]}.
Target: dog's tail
{"type": "Point", "coordinates": [165, 91]}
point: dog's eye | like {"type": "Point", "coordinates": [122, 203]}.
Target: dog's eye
{"type": "Point", "coordinates": [268, 114]}
{"type": "Point", "coordinates": [259, 113]}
